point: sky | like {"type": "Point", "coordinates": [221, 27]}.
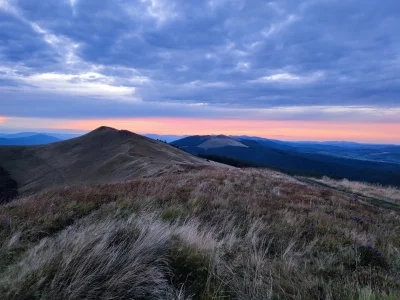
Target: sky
{"type": "Point", "coordinates": [287, 69]}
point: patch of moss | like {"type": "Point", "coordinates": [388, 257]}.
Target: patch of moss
{"type": "Point", "coordinates": [190, 268]}
{"type": "Point", "coordinates": [199, 204]}
{"type": "Point", "coordinates": [174, 213]}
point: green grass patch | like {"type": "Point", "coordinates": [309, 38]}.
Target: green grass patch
{"type": "Point", "coordinates": [174, 213]}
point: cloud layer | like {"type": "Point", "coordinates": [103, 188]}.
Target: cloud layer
{"type": "Point", "coordinates": [227, 59]}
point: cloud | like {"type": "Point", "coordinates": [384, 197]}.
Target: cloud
{"type": "Point", "coordinates": [73, 6]}
{"type": "Point", "coordinates": [275, 28]}
{"type": "Point", "coordinates": [85, 84]}
{"type": "Point", "coordinates": [290, 78]}
{"type": "Point", "coordinates": [286, 60]}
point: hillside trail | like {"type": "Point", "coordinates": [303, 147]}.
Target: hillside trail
{"type": "Point", "coordinates": [380, 203]}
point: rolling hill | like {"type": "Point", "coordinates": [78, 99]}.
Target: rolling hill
{"type": "Point", "coordinates": [273, 154]}
{"type": "Point", "coordinates": [103, 155]}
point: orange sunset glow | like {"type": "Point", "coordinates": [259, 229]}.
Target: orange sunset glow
{"type": "Point", "coordinates": [286, 130]}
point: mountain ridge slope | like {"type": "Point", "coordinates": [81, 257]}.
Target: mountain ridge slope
{"type": "Point", "coordinates": [271, 155]}
{"type": "Point", "coordinates": [103, 155]}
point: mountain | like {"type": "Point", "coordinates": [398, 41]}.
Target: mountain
{"type": "Point", "coordinates": [219, 141]}
{"type": "Point", "coordinates": [67, 136]}
{"type": "Point", "coordinates": [166, 138]}
{"type": "Point", "coordinates": [209, 142]}
{"type": "Point", "coordinates": [103, 155]}
{"type": "Point", "coordinates": [60, 136]}
{"type": "Point", "coordinates": [287, 158]}
{"type": "Point", "coordinates": [64, 136]}
{"type": "Point", "coordinates": [115, 215]}
{"type": "Point", "coordinates": [17, 135]}
{"type": "Point", "coordinates": [37, 139]}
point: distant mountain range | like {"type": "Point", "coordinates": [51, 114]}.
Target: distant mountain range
{"type": "Point", "coordinates": [165, 138]}
{"type": "Point", "coordinates": [33, 138]}
{"type": "Point", "coordinates": [36, 139]}
{"type": "Point", "coordinates": [351, 150]}
{"type": "Point", "coordinates": [307, 159]}
{"type": "Point", "coordinates": [372, 152]}
{"type": "Point", "coordinates": [61, 136]}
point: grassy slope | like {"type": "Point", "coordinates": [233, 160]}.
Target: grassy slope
{"type": "Point", "coordinates": [104, 155]}
{"type": "Point", "coordinates": [199, 233]}
{"type": "Point", "coordinates": [386, 193]}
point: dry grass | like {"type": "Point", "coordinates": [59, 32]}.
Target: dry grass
{"type": "Point", "coordinates": [387, 193]}
{"type": "Point", "coordinates": [199, 234]}
{"type": "Point", "coordinates": [90, 160]}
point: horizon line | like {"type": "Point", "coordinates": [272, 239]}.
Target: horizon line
{"type": "Point", "coordinates": [83, 132]}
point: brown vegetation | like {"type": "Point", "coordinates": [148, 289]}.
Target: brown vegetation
{"type": "Point", "coordinates": [101, 156]}
{"type": "Point", "coordinates": [388, 193]}
{"type": "Point", "coordinates": [199, 233]}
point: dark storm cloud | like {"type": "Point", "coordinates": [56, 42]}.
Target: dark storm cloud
{"type": "Point", "coordinates": [237, 54]}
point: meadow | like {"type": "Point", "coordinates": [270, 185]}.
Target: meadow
{"type": "Point", "coordinates": [199, 233]}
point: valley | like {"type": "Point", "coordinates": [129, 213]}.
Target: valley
{"type": "Point", "coordinates": [289, 159]}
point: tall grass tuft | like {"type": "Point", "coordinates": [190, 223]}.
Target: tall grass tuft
{"type": "Point", "coordinates": [111, 259]}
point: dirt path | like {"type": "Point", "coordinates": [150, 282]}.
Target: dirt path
{"type": "Point", "coordinates": [359, 197]}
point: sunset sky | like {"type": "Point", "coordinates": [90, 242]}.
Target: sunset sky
{"type": "Point", "coordinates": [287, 69]}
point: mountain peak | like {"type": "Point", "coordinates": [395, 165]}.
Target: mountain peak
{"type": "Point", "coordinates": [209, 141]}
{"type": "Point", "coordinates": [103, 155]}
{"type": "Point", "coordinates": [105, 129]}
{"type": "Point", "coordinates": [220, 141]}
{"type": "Point", "coordinates": [110, 132]}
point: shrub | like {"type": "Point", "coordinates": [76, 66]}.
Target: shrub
{"type": "Point", "coordinates": [369, 256]}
